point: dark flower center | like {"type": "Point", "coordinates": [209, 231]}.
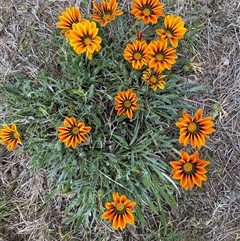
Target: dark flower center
{"type": "Point", "coordinates": [147, 10]}
{"type": "Point", "coordinates": [75, 130]}
{"type": "Point", "coordinates": [127, 104]}
{"type": "Point", "coordinates": [193, 127]}
{"type": "Point", "coordinates": [120, 208]}
{"type": "Point", "coordinates": [188, 168]}
{"type": "Point", "coordinates": [137, 55]}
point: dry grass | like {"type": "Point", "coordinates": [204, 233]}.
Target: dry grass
{"type": "Point", "coordinates": [211, 213]}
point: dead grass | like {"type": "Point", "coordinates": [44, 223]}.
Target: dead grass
{"type": "Point", "coordinates": [211, 213]}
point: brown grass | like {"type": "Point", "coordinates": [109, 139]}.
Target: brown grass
{"type": "Point", "coordinates": [212, 213]}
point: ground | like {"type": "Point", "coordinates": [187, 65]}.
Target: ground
{"type": "Point", "coordinates": [210, 213]}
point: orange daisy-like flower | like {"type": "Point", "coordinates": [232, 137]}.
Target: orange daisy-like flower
{"type": "Point", "coordinates": [147, 10]}
{"type": "Point", "coordinates": [83, 38]}
{"type": "Point", "coordinates": [194, 129]}
{"type": "Point", "coordinates": [190, 170]}
{"type": "Point", "coordinates": [126, 103]}
{"type": "Point", "coordinates": [10, 136]}
{"type": "Point", "coordinates": [161, 56]}
{"type": "Point", "coordinates": [174, 30]}
{"type": "Point", "coordinates": [136, 53]}
{"type": "Point", "coordinates": [68, 18]}
{"type": "Point", "coordinates": [119, 211]}
{"type": "Point", "coordinates": [154, 79]}
{"type": "Point", "coordinates": [73, 132]}
{"type": "Point", "coordinates": [106, 12]}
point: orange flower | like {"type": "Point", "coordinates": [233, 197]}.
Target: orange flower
{"type": "Point", "coordinates": [136, 53]}
{"type": "Point", "coordinates": [119, 211]}
{"type": "Point", "coordinates": [126, 103]}
{"type": "Point", "coordinates": [161, 56]}
{"type": "Point", "coordinates": [106, 12]}
{"type": "Point", "coordinates": [174, 30]}
{"type": "Point", "coordinates": [147, 10]}
{"type": "Point", "coordinates": [154, 79]}
{"type": "Point", "coordinates": [83, 38]}
{"type": "Point", "coordinates": [190, 170]}
{"type": "Point", "coordinates": [194, 129]}
{"type": "Point", "coordinates": [68, 18]}
{"type": "Point", "coordinates": [10, 136]}
{"type": "Point", "coordinates": [73, 132]}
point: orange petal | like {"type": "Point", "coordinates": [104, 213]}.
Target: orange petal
{"type": "Point", "coordinates": [174, 164]}
{"type": "Point", "coordinates": [183, 181]}
{"type": "Point", "coordinates": [200, 170]}
{"type": "Point", "coordinates": [116, 223]}
{"type": "Point", "coordinates": [178, 174]}
{"type": "Point", "coordinates": [190, 181]}
{"type": "Point", "coordinates": [129, 113]}
{"type": "Point", "coordinates": [109, 205]}
{"type": "Point", "coordinates": [129, 217]}
{"type": "Point", "coordinates": [122, 221]}
{"type": "Point", "coordinates": [197, 179]}
{"type": "Point", "coordinates": [184, 156]}
{"type": "Point", "coordinates": [123, 198]}
{"type": "Point", "coordinates": [198, 115]}
{"type": "Point", "coordinates": [116, 197]}
{"type": "Point", "coordinates": [130, 205]}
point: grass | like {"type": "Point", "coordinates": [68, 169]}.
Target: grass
{"type": "Point", "coordinates": [27, 207]}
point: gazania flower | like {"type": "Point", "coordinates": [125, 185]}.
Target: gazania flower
{"type": "Point", "coordinates": [174, 30]}
{"type": "Point", "coordinates": [147, 10]}
{"type": "Point", "coordinates": [126, 103]}
{"type": "Point", "coordinates": [160, 55]}
{"type": "Point", "coordinates": [10, 136]}
{"type": "Point", "coordinates": [136, 53]}
{"type": "Point", "coordinates": [119, 211]}
{"type": "Point", "coordinates": [68, 18]}
{"type": "Point", "coordinates": [73, 132]}
{"type": "Point", "coordinates": [83, 38]}
{"type": "Point", "coordinates": [190, 170]}
{"type": "Point", "coordinates": [154, 79]}
{"type": "Point", "coordinates": [106, 12]}
{"type": "Point", "coordinates": [194, 129]}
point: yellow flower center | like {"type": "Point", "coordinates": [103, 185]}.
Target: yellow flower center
{"type": "Point", "coordinates": [127, 104]}
{"type": "Point", "coordinates": [153, 79]}
{"type": "Point", "coordinates": [169, 34]}
{"type": "Point", "coordinates": [75, 130]}
{"type": "Point", "coordinates": [87, 40]}
{"type": "Point", "coordinates": [146, 11]}
{"type": "Point", "coordinates": [120, 207]}
{"type": "Point", "coordinates": [137, 56]}
{"type": "Point", "coordinates": [159, 57]}
{"type": "Point", "coordinates": [192, 127]}
{"type": "Point", "coordinates": [188, 167]}
{"type": "Point", "coordinates": [107, 16]}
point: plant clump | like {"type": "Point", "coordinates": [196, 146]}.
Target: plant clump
{"type": "Point", "coordinates": [119, 98]}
